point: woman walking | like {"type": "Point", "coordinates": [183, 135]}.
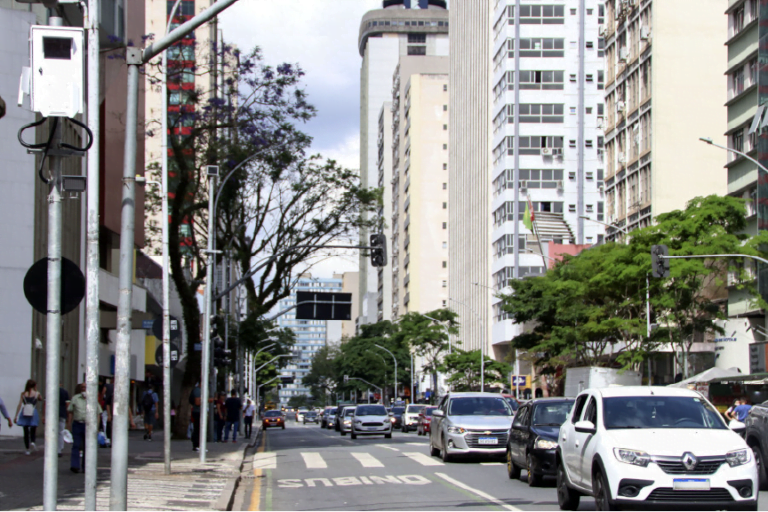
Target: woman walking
{"type": "Point", "coordinates": [26, 414]}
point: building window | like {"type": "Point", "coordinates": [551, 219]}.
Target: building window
{"type": "Point", "coordinates": [590, 208]}
{"type": "Point", "coordinates": [445, 186]}
{"type": "Point", "coordinates": [445, 245]}
{"type": "Point", "coordinates": [445, 87]}
{"type": "Point", "coordinates": [541, 113]}
{"type": "Point", "coordinates": [573, 12]}
{"type": "Point", "coordinates": [589, 12]}
{"type": "Point", "coordinates": [737, 141]}
{"type": "Point", "coordinates": [737, 20]}
{"type": "Point", "coordinates": [445, 146]}
{"type": "Point", "coordinates": [417, 38]}
{"type": "Point", "coordinates": [445, 108]}
{"type": "Point", "coordinates": [445, 264]}
{"type": "Point", "coordinates": [754, 8]}
{"type": "Point", "coordinates": [600, 79]}
{"type": "Point", "coordinates": [542, 14]}
{"type": "Point", "coordinates": [572, 208]}
{"type": "Point", "coordinates": [589, 110]}
{"type": "Point", "coordinates": [445, 206]}
{"type": "Point", "coordinates": [445, 225]}
{"type": "Point", "coordinates": [546, 80]}
{"type": "Point", "coordinates": [542, 47]}
{"type": "Point", "coordinates": [445, 284]}
{"type": "Point", "coordinates": [417, 50]}
{"type": "Point", "coordinates": [572, 110]}
{"type": "Point", "coordinates": [445, 167]}
{"type": "Point", "coordinates": [753, 71]}
{"type": "Point", "coordinates": [532, 145]}
{"type": "Point", "coordinates": [590, 44]}
{"type": "Point", "coordinates": [590, 78]}
{"type": "Point", "coordinates": [445, 127]}
{"type": "Point", "coordinates": [601, 47]}
{"type": "Point", "coordinates": [737, 82]}
{"type": "Point", "coordinates": [588, 143]}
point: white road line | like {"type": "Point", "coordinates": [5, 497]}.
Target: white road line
{"type": "Point", "coordinates": [423, 459]}
{"type": "Point", "coordinates": [417, 444]}
{"type": "Point", "coordinates": [482, 494]}
{"type": "Point", "coordinates": [314, 460]}
{"type": "Point", "coordinates": [265, 460]}
{"type": "Point", "coordinates": [491, 463]}
{"type": "Point", "coordinates": [388, 447]}
{"type": "Point", "coordinates": [367, 460]}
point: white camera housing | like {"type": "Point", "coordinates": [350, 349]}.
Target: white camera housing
{"type": "Point", "coordinates": [57, 70]}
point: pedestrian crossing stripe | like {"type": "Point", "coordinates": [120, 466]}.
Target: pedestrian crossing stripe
{"type": "Point", "coordinates": [423, 459]}
{"type": "Point", "coordinates": [314, 460]}
{"type": "Point", "coordinates": [367, 460]}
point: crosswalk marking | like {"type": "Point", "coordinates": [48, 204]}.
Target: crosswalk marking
{"type": "Point", "coordinates": [367, 460]}
{"type": "Point", "coordinates": [423, 459]}
{"type": "Point", "coordinates": [491, 463]}
{"type": "Point", "coordinates": [388, 447]}
{"type": "Point", "coordinates": [265, 460]}
{"type": "Point", "coordinates": [314, 460]}
{"type": "Point", "coordinates": [416, 444]}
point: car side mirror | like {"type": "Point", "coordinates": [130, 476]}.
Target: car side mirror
{"type": "Point", "coordinates": [438, 414]}
{"type": "Point", "coordinates": [519, 427]}
{"type": "Point", "coordinates": [585, 427]}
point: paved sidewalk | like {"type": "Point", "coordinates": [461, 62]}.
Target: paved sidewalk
{"type": "Point", "coordinates": [190, 486]}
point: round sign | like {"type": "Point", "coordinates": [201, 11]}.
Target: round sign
{"type": "Point", "coordinates": [72, 286]}
{"type": "Point", "coordinates": [174, 355]}
{"type": "Point", "coordinates": [157, 328]}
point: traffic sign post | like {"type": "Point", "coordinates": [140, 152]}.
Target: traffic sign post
{"type": "Point", "coordinates": [174, 355]}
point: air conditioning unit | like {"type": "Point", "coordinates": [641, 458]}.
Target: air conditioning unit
{"type": "Point", "coordinates": [557, 151]}
{"type": "Point", "coordinates": [620, 106]}
{"type": "Point", "coordinates": [601, 30]}
{"type": "Point", "coordinates": [523, 185]}
{"type": "Point", "coordinates": [601, 188]}
{"type": "Point", "coordinates": [645, 34]}
{"type": "Point", "coordinates": [560, 185]}
{"type": "Point", "coordinates": [621, 157]}
{"type": "Point", "coordinates": [546, 151]}
{"type": "Point", "coordinates": [623, 54]}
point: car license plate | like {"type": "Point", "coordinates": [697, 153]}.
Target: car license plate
{"type": "Point", "coordinates": [487, 440]}
{"type": "Point", "coordinates": [690, 484]}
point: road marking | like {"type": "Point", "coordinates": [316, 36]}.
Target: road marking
{"type": "Point", "coordinates": [314, 460]}
{"type": "Point", "coordinates": [265, 460]}
{"type": "Point", "coordinates": [477, 492]}
{"type": "Point", "coordinates": [423, 459]}
{"type": "Point", "coordinates": [367, 460]}
{"type": "Point", "coordinates": [294, 483]}
{"type": "Point", "coordinates": [257, 472]}
{"type": "Point", "coordinates": [491, 463]}
{"type": "Point", "coordinates": [416, 444]}
{"type": "Point", "coordinates": [388, 447]}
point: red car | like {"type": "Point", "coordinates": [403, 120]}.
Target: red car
{"type": "Point", "coordinates": [425, 418]}
{"type": "Point", "coordinates": [273, 419]}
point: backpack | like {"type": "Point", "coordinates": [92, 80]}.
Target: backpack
{"type": "Point", "coordinates": [147, 401]}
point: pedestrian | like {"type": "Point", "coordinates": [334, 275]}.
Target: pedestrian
{"type": "Point", "coordinates": [26, 414]}
{"type": "Point", "coordinates": [729, 412]}
{"type": "Point", "coordinates": [149, 402]}
{"type": "Point", "coordinates": [63, 404]}
{"type": "Point", "coordinates": [741, 411]}
{"type": "Point", "coordinates": [194, 401]}
{"type": "Point", "coordinates": [108, 390]}
{"type": "Point", "coordinates": [233, 406]}
{"type": "Point", "coordinates": [5, 414]}
{"type": "Point", "coordinates": [219, 415]}
{"type": "Point", "coordinates": [248, 411]}
{"type": "Point", "coordinates": [173, 415]}
{"type": "Point", "coordinates": [77, 412]}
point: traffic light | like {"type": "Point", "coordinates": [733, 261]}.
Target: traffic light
{"type": "Point", "coordinates": [286, 379]}
{"type": "Point", "coordinates": [221, 356]}
{"type": "Point", "coordinates": [379, 250]}
{"type": "Point", "coordinates": [660, 265]}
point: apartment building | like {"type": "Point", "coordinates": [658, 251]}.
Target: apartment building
{"type": "Point", "coordinates": [662, 92]}
{"type": "Point", "coordinates": [401, 27]}
{"type": "Point", "coordinates": [420, 185]}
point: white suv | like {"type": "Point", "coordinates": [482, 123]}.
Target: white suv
{"type": "Point", "coordinates": [652, 447]}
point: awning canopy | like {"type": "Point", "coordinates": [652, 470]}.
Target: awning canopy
{"type": "Point", "coordinates": [711, 375]}
{"type": "Point", "coordinates": [761, 377]}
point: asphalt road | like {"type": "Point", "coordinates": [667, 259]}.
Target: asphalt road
{"type": "Point", "coordinates": [309, 468]}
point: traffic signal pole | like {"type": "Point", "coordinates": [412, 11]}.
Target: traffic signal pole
{"type": "Point", "coordinates": [206, 352]}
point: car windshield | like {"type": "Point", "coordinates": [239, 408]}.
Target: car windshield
{"type": "Point", "coordinates": [428, 411]}
{"type": "Point", "coordinates": [272, 414]}
{"type": "Point", "coordinates": [660, 412]}
{"type": "Point", "coordinates": [479, 406]}
{"type": "Point", "coordinates": [312, 413]}
{"type": "Point", "coordinates": [512, 403]}
{"type": "Point", "coordinates": [551, 414]}
{"type": "Point", "coordinates": [371, 410]}
{"type": "Point", "coordinates": [349, 412]}
{"type": "Point", "coordinates": [398, 410]}
{"type": "Point", "coordinates": [415, 409]}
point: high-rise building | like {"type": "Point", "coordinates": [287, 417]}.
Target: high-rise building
{"type": "Point", "coordinates": [547, 139]}
{"type": "Point", "coordinates": [662, 92]}
{"type": "Point", "coordinates": [399, 28]}
{"type": "Point", "coordinates": [311, 335]}
{"type": "Point", "coordinates": [419, 194]}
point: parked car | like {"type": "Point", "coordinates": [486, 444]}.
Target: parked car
{"type": "Point", "coordinates": [345, 419]}
{"type": "Point", "coordinates": [513, 402]}
{"type": "Point", "coordinates": [397, 417]}
{"type": "Point", "coordinates": [326, 421]}
{"type": "Point", "coordinates": [311, 417]}
{"type": "Point", "coordinates": [410, 417]}
{"type": "Point", "coordinates": [273, 418]}
{"type": "Point", "coordinates": [300, 412]}
{"type": "Point", "coordinates": [370, 420]}
{"type": "Point", "coordinates": [425, 418]}
{"type": "Point", "coordinates": [532, 440]}
{"type": "Point", "coordinates": [658, 447]}
{"type": "Point", "coordinates": [470, 424]}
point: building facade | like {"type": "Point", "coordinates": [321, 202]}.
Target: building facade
{"type": "Point", "coordinates": [401, 27]}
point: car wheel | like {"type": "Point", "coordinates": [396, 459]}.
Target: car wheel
{"type": "Point", "coordinates": [388, 436]}
{"type": "Point", "coordinates": [434, 452]}
{"type": "Point", "coordinates": [343, 433]}
{"type": "Point", "coordinates": [567, 498]}
{"type": "Point", "coordinates": [534, 480]}
{"type": "Point", "coordinates": [283, 427]}
{"type": "Point", "coordinates": [444, 453]}
{"type": "Point", "coordinates": [762, 474]}
{"type": "Point", "coordinates": [513, 472]}
{"type": "Point", "coordinates": [353, 435]}
{"type": "Point", "coordinates": [404, 429]}
{"type": "Point", "coordinates": [602, 492]}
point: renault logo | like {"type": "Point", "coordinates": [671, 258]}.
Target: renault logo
{"type": "Point", "coordinates": [689, 461]}
{"type": "Point", "coordinates": [487, 432]}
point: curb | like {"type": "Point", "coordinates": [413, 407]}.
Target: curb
{"type": "Point", "coordinates": [227, 497]}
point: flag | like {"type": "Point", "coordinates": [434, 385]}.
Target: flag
{"type": "Point", "coordinates": [528, 217]}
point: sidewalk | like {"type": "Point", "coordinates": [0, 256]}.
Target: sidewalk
{"type": "Point", "coordinates": [190, 486]}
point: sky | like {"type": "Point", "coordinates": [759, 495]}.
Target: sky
{"type": "Point", "coordinates": [321, 37]}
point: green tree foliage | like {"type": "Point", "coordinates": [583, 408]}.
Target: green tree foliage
{"type": "Point", "coordinates": [322, 377]}
{"type": "Point", "coordinates": [463, 366]}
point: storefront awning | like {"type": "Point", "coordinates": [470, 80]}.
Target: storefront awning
{"type": "Point", "coordinates": [752, 378]}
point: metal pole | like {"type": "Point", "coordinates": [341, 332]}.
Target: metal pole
{"type": "Point", "coordinates": [412, 397]}
{"type": "Point", "coordinates": [395, 360]}
{"type": "Point", "coordinates": [648, 318]}
{"type": "Point", "coordinates": [118, 498]}
{"type": "Point", "coordinates": [204, 378]}
{"type": "Point", "coordinates": [166, 263]}
{"type": "Point", "coordinates": [53, 330]}
{"type": "Point", "coordinates": [92, 314]}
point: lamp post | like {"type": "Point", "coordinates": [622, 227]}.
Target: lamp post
{"type": "Point", "coordinates": [708, 140]}
{"type": "Point", "coordinates": [482, 347]}
{"type": "Point", "coordinates": [258, 388]}
{"type": "Point", "coordinates": [617, 228]}
{"type": "Point", "coordinates": [447, 333]}
{"type": "Point", "coordinates": [395, 360]}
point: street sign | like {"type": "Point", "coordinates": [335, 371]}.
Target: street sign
{"type": "Point", "coordinates": [147, 324]}
{"type": "Point", "coordinates": [323, 306]}
{"type": "Point", "coordinates": [157, 328]}
{"type": "Point", "coordinates": [174, 355]}
{"type": "Point", "coordinates": [72, 285]}
{"type": "Point", "coordinates": [519, 381]}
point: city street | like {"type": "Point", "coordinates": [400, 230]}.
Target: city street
{"type": "Point", "coordinates": [305, 467]}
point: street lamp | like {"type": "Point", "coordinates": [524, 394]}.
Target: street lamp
{"type": "Point", "coordinates": [482, 340]}
{"type": "Point", "coordinates": [614, 226]}
{"type": "Point", "coordinates": [258, 389]}
{"type": "Point", "coordinates": [708, 140]}
{"type": "Point", "coordinates": [527, 249]}
{"type": "Point", "coordinates": [395, 360]}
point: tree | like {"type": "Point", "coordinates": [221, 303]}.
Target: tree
{"type": "Point", "coordinates": [298, 401]}
{"type": "Point", "coordinates": [323, 376]}
{"type": "Point", "coordinates": [464, 369]}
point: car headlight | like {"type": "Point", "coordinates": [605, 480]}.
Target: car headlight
{"type": "Point", "coordinates": [347, 422]}
{"type": "Point", "coordinates": [456, 430]}
{"type": "Point", "coordinates": [392, 419]}
{"type": "Point", "coordinates": [545, 444]}
{"type": "Point", "coordinates": [738, 457]}
{"type": "Point", "coordinates": [634, 457]}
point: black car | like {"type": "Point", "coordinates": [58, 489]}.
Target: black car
{"type": "Point", "coordinates": [311, 417]}
{"type": "Point", "coordinates": [532, 440]}
{"type": "Point", "coordinates": [397, 417]}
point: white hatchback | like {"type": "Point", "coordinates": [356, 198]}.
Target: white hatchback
{"type": "Point", "coordinates": [652, 447]}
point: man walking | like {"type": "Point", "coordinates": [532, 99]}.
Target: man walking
{"type": "Point", "coordinates": [248, 412]}
{"type": "Point", "coordinates": [63, 404]}
{"type": "Point", "coordinates": [77, 414]}
{"type": "Point", "coordinates": [233, 405]}
{"type": "Point", "coordinates": [194, 401]}
{"type": "Point", "coordinates": [5, 414]}
{"type": "Point", "coordinates": [149, 402]}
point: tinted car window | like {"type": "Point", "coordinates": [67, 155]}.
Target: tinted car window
{"type": "Point", "coordinates": [398, 410]}
{"type": "Point", "coordinates": [512, 403]}
{"type": "Point", "coordinates": [332, 411]}
{"type": "Point", "coordinates": [552, 414]}
{"type": "Point", "coordinates": [479, 406]}
{"type": "Point", "coordinates": [522, 413]}
{"type": "Point", "coordinates": [428, 411]}
{"type": "Point", "coordinates": [273, 414]}
{"type": "Point", "coordinates": [371, 410]}
{"type": "Point", "coordinates": [660, 412]}
{"type": "Point", "coordinates": [580, 401]}
{"type": "Point", "coordinates": [349, 412]}
{"type": "Point", "coordinates": [413, 409]}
